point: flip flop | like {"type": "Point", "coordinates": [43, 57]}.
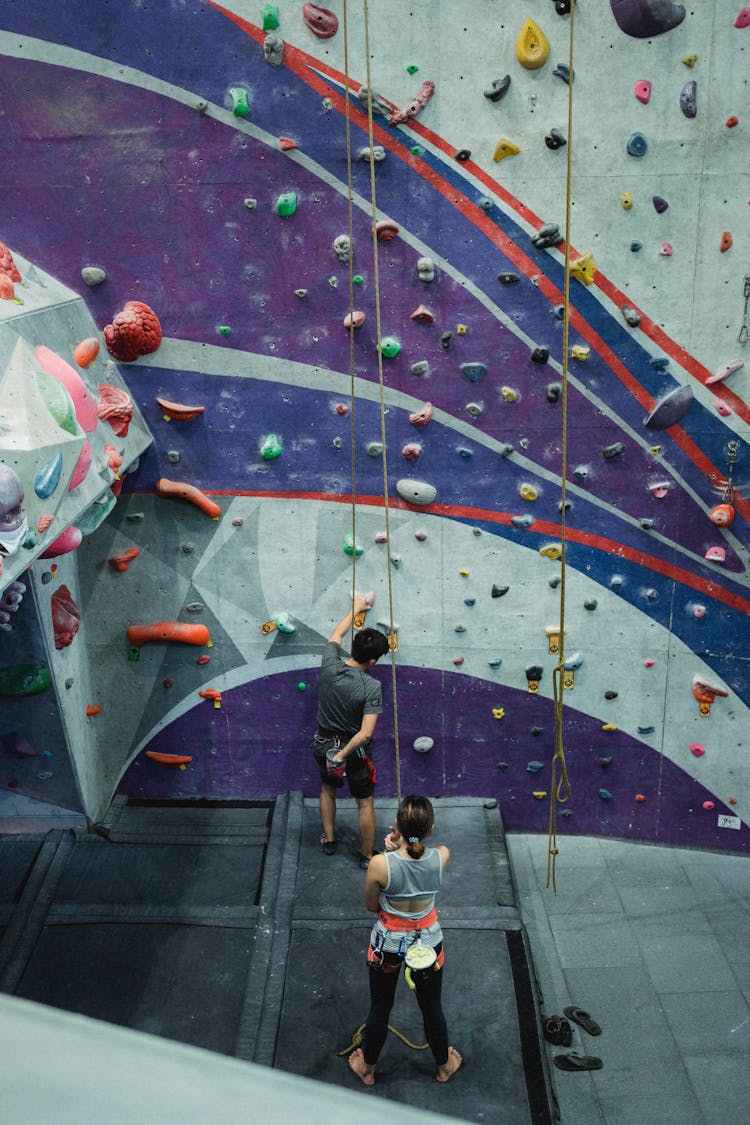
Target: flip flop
{"type": "Point", "coordinates": [577, 1015]}
{"type": "Point", "coordinates": [574, 1061]}
{"type": "Point", "coordinates": [557, 1030]}
{"type": "Point", "coordinates": [328, 846]}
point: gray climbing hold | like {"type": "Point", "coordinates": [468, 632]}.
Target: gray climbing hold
{"type": "Point", "coordinates": [555, 139]}
{"type": "Point", "coordinates": [374, 448]}
{"type": "Point", "coordinates": [250, 203]}
{"type": "Point", "coordinates": [423, 744]}
{"type": "Point", "coordinates": [616, 581]}
{"type": "Point", "coordinates": [547, 235]}
{"type": "Point", "coordinates": [195, 607]}
{"type": "Point", "coordinates": [273, 49]}
{"type": "Point", "coordinates": [173, 456]}
{"type": "Point", "coordinates": [534, 767]}
{"type": "Point", "coordinates": [342, 247]}
{"type": "Point", "coordinates": [559, 312]}
{"type": "Point", "coordinates": [647, 524]}
{"type": "Point", "coordinates": [499, 591]}
{"type": "Point", "coordinates": [416, 491]}
{"type": "Point", "coordinates": [605, 794]}
{"type": "Point", "coordinates": [92, 275]}
{"type": "Point", "coordinates": [422, 367]}
{"type": "Point", "coordinates": [445, 340]}
{"type": "Point", "coordinates": [554, 582]}
{"type": "Point", "coordinates": [473, 371]}
{"type": "Point", "coordinates": [636, 245]}
{"type": "Point", "coordinates": [590, 604]}
{"type": "Point", "coordinates": [508, 278]}
{"type": "Point", "coordinates": [630, 316]}
{"type": "Point", "coordinates": [497, 89]}
{"type": "Point", "coordinates": [613, 450]}
{"type": "Point", "coordinates": [377, 152]}
{"type": "Point", "coordinates": [643, 19]}
{"type": "Point", "coordinates": [670, 409]}
{"type": "Point", "coordinates": [660, 204]}
{"type": "Point", "coordinates": [378, 104]}
{"type": "Point", "coordinates": [426, 269]}
{"type": "Point", "coordinates": [135, 517]}
{"type": "Point", "coordinates": [502, 765]}
{"type": "Point", "coordinates": [689, 98]}
{"type": "Point", "coordinates": [637, 145]}
{"type": "Point", "coordinates": [553, 392]}
{"type": "Point", "coordinates": [581, 472]}
{"type": "Point", "coordinates": [475, 409]}
{"type": "Point", "coordinates": [540, 354]}
{"type": "Point", "coordinates": [522, 521]}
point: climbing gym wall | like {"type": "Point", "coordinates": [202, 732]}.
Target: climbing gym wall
{"type": "Point", "coordinates": [299, 301]}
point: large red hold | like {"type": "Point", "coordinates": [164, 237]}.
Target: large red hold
{"type": "Point", "coordinates": [134, 331]}
{"type": "Point", "coordinates": [66, 617]}
{"type": "Point", "coordinates": [116, 407]}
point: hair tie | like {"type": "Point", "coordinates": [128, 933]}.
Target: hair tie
{"type": "Point", "coordinates": [414, 839]}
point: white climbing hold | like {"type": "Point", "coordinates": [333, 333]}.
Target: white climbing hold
{"type": "Point", "coordinates": [416, 491]}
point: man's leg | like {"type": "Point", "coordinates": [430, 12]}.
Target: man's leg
{"type": "Point", "coordinates": [328, 811]}
{"type": "Point", "coordinates": [366, 806]}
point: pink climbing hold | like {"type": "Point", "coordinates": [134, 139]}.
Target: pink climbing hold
{"type": "Point", "coordinates": [716, 554]}
{"type": "Point", "coordinates": [642, 91]}
{"type": "Point", "coordinates": [723, 372]}
{"type": "Point", "coordinates": [666, 250]}
{"type": "Point", "coordinates": [322, 23]}
{"type": "Point", "coordinates": [354, 319]}
{"type": "Point", "coordinates": [423, 416]}
{"type": "Point", "coordinates": [83, 464]}
{"type": "Point", "coordinates": [423, 314]}
{"type": "Point", "coordinates": [420, 535]}
{"type": "Point", "coordinates": [743, 18]}
{"type": "Point", "coordinates": [659, 490]}
{"type": "Point", "coordinates": [83, 399]}
{"type": "Point", "coordinates": [722, 407]}
{"type": "Point", "coordinates": [458, 660]}
{"type": "Point", "coordinates": [649, 663]}
{"type": "Point", "coordinates": [708, 805]}
{"type": "Point", "coordinates": [342, 409]}
{"type": "Point", "coordinates": [425, 92]}
{"type": "Point", "coordinates": [699, 611]}
{"type": "Point", "coordinates": [697, 750]}
{"type": "Point", "coordinates": [412, 450]}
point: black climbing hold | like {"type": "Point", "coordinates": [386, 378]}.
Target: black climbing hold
{"type": "Point", "coordinates": [497, 89]}
{"type": "Point", "coordinates": [555, 139]}
{"type": "Point", "coordinates": [660, 204]}
{"type": "Point", "coordinates": [631, 316]}
{"type": "Point", "coordinates": [508, 278]}
{"type": "Point", "coordinates": [463, 154]}
{"type": "Point", "coordinates": [547, 235]}
{"type": "Point", "coordinates": [635, 245]}
{"type": "Point", "coordinates": [554, 581]}
{"type": "Point", "coordinates": [485, 203]}
{"type": "Point", "coordinates": [499, 591]}
{"type": "Point", "coordinates": [536, 731]}
{"type": "Point", "coordinates": [534, 672]}
{"type": "Point", "coordinates": [566, 813]}
{"type": "Point", "coordinates": [559, 312]}
{"type": "Point", "coordinates": [506, 450]}
{"type": "Point", "coordinates": [445, 340]}
{"type": "Point", "coordinates": [645, 730]}
{"type": "Point", "coordinates": [562, 7]}
{"type": "Point", "coordinates": [610, 695]}
{"type": "Point", "coordinates": [553, 392]}
{"type": "Point", "coordinates": [568, 505]}
{"type": "Point", "coordinates": [590, 603]}
{"type": "Point", "coordinates": [540, 354]}
{"type": "Point", "coordinates": [502, 765]}
{"type": "Point", "coordinates": [659, 362]}
{"type": "Point", "coordinates": [613, 450]}
{"type": "Point", "coordinates": [647, 524]}
{"type": "Point", "coordinates": [605, 762]}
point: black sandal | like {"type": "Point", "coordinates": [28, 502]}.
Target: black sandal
{"type": "Point", "coordinates": [328, 846]}
{"type": "Point", "coordinates": [557, 1030]}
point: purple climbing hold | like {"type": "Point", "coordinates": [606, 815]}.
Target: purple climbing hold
{"type": "Point", "coordinates": [660, 205]}
{"type": "Point", "coordinates": [689, 98]}
{"type": "Point", "coordinates": [670, 409]}
{"type": "Point", "coordinates": [643, 19]}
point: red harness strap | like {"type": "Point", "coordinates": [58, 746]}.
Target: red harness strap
{"type": "Point", "coordinates": [395, 922]}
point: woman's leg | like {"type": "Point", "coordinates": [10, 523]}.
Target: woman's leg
{"type": "Point", "coordinates": [429, 986]}
{"type": "Point", "coordinates": [382, 994]}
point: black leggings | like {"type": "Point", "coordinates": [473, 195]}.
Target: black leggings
{"type": "Point", "coordinates": [428, 985]}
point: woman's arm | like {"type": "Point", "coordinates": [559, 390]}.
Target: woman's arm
{"type": "Point", "coordinates": [443, 853]}
{"type": "Point", "coordinates": [375, 881]}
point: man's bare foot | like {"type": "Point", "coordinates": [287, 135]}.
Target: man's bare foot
{"type": "Point", "coordinates": [366, 1072]}
{"type": "Point", "coordinates": [450, 1067]}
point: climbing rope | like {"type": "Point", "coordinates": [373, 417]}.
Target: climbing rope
{"type": "Point", "coordinates": [352, 389]}
{"type": "Point", "coordinates": [392, 637]}
{"type": "Point", "coordinates": [357, 1040]}
{"type": "Point", "coordinates": [559, 784]}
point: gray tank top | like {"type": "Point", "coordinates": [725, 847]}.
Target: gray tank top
{"type": "Point", "coordinates": [411, 878]}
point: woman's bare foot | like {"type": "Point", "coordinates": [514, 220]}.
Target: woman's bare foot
{"type": "Point", "coordinates": [450, 1067]}
{"type": "Point", "coordinates": [366, 1071]}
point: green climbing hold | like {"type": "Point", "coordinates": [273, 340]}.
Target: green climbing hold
{"type": "Point", "coordinates": [412, 69]}
{"type": "Point", "coordinates": [58, 402]}
{"type": "Point", "coordinates": [240, 108]}
{"type": "Point", "coordinates": [270, 17]}
{"type": "Point", "coordinates": [24, 679]}
{"type": "Point", "coordinates": [286, 204]}
{"type": "Point", "coordinates": [358, 279]}
{"type": "Point", "coordinates": [284, 623]}
{"type": "Point", "coordinates": [389, 347]}
{"type": "Point", "coordinates": [270, 448]}
{"type": "Point", "coordinates": [301, 686]}
{"type": "Point", "coordinates": [351, 547]}
{"type": "Point", "coordinates": [224, 330]}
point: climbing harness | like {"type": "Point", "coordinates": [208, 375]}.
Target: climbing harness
{"type": "Point", "coordinates": [392, 636]}
{"type": "Point", "coordinates": [559, 784]}
{"type": "Point", "coordinates": [744, 332]}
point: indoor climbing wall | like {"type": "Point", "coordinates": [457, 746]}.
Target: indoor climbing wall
{"type": "Point", "coordinates": [253, 258]}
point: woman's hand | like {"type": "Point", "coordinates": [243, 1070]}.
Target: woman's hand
{"type": "Point", "coordinates": [392, 841]}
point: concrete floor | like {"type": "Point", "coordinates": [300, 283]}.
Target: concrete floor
{"type": "Point", "coordinates": [653, 942]}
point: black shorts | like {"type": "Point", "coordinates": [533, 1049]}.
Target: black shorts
{"type": "Point", "coordinates": [360, 769]}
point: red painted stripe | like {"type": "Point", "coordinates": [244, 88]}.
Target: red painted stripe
{"type": "Point", "coordinates": [705, 586]}
{"type": "Point", "coordinates": [301, 63]}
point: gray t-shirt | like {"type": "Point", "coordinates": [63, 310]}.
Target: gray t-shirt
{"type": "Point", "coordinates": [346, 693]}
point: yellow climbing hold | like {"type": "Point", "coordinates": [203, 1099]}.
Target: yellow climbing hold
{"type": "Point", "coordinates": [532, 48]}
{"type": "Point", "coordinates": [584, 268]}
{"type": "Point", "coordinates": [509, 394]}
{"type": "Point", "coordinates": [528, 492]}
{"type": "Point", "coordinates": [580, 352]}
{"type": "Point", "coordinates": [498, 712]}
{"type": "Point", "coordinates": [464, 573]}
{"type": "Point", "coordinates": [540, 794]}
{"type": "Point", "coordinates": [690, 60]}
{"type": "Point", "coordinates": [551, 551]}
{"type": "Point", "coordinates": [461, 329]}
{"type": "Point", "coordinates": [626, 201]}
{"type": "Point", "coordinates": [609, 726]}
{"type": "Point", "coordinates": [504, 148]}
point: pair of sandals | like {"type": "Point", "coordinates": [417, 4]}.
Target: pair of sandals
{"type": "Point", "coordinates": [557, 1030]}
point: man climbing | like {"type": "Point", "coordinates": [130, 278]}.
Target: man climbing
{"type": "Point", "coordinates": [348, 707]}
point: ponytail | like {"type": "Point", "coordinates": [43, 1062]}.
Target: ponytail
{"type": "Point", "coordinates": [415, 819]}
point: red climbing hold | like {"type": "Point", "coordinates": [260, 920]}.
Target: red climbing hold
{"type": "Point", "coordinates": [66, 617]}
{"type": "Point", "coordinates": [286, 143]}
{"type": "Point", "coordinates": [697, 750]}
{"type": "Point", "coordinates": [732, 122]}
{"type": "Point", "coordinates": [743, 18]}
{"type": "Point", "coordinates": [134, 331]}
{"type": "Point", "coordinates": [116, 407]}
{"type": "Point", "coordinates": [726, 242]}
{"type": "Point", "coordinates": [321, 22]}
{"type": "Point", "coordinates": [122, 561]}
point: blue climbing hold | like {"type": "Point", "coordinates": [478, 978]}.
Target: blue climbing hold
{"type": "Point", "coordinates": [534, 767]}
{"type": "Point", "coordinates": [635, 245]}
{"type": "Point", "coordinates": [562, 70]}
{"type": "Point", "coordinates": [605, 794]}
{"type": "Point", "coordinates": [522, 521]}
{"type": "Point", "coordinates": [659, 362]}
{"type": "Point", "coordinates": [473, 371]}
{"type": "Point", "coordinates": [637, 145]}
{"type": "Point", "coordinates": [48, 477]}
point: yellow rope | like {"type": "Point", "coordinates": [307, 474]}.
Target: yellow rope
{"type": "Point", "coordinates": [378, 331]}
{"type": "Point", "coordinates": [560, 786]}
{"type": "Point", "coordinates": [352, 391]}
{"type": "Point", "coordinates": [357, 1039]}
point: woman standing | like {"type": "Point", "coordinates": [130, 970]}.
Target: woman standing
{"type": "Point", "coordinates": [401, 887]}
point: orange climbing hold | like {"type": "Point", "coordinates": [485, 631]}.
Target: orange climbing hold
{"type": "Point", "coordinates": [726, 242]}
{"type": "Point", "coordinates": [211, 693]}
{"type": "Point", "coordinates": [86, 352]}
{"type": "Point", "coordinates": [122, 562]}
{"type": "Point", "coordinates": [92, 710]}
{"type": "Point", "coordinates": [168, 631]}
{"type": "Point", "coordinates": [188, 492]}
{"type": "Point", "coordinates": [178, 410]}
{"type": "Point", "coordinates": [286, 143]}
{"type": "Point", "coordinates": [732, 122]}
{"type": "Point", "coordinates": [168, 759]}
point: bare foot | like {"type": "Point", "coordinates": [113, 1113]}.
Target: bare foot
{"type": "Point", "coordinates": [365, 1071]}
{"type": "Point", "coordinates": [450, 1067]}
